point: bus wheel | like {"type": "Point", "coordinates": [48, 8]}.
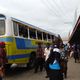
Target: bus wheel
{"type": "Point", "coordinates": [7, 67]}
{"type": "Point", "coordinates": [31, 63]}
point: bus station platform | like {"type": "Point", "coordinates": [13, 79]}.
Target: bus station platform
{"type": "Point", "coordinates": [73, 73]}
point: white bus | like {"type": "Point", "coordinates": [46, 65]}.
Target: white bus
{"type": "Point", "coordinates": [21, 39]}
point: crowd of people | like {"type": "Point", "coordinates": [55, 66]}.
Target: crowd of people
{"type": "Point", "coordinates": [54, 59]}
{"type": "Point", "coordinates": [75, 52]}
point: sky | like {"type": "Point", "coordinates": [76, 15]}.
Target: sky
{"type": "Point", "coordinates": [57, 16]}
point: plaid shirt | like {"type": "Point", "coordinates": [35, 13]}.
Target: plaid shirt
{"type": "Point", "coordinates": [40, 53]}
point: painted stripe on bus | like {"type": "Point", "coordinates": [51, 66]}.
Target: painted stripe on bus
{"type": "Point", "coordinates": [24, 44]}
{"type": "Point", "coordinates": [18, 56]}
{"type": "Point", "coordinates": [6, 39]}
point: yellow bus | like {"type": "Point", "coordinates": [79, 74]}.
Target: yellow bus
{"type": "Point", "coordinates": [21, 39]}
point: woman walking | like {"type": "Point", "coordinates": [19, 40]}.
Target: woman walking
{"type": "Point", "coordinates": [54, 66]}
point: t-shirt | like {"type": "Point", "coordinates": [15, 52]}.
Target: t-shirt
{"type": "Point", "coordinates": [46, 53]}
{"type": "Point", "coordinates": [40, 53]}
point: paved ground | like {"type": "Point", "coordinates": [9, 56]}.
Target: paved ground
{"type": "Point", "coordinates": [73, 73]}
{"type": "Point", "coordinates": [73, 70]}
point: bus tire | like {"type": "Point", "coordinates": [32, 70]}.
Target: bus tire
{"type": "Point", "coordinates": [31, 63]}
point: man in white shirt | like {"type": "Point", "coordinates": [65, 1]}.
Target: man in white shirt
{"type": "Point", "coordinates": [46, 54]}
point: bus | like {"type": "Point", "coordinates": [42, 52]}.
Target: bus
{"type": "Point", "coordinates": [21, 39]}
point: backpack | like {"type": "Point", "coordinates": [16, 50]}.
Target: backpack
{"type": "Point", "coordinates": [55, 65]}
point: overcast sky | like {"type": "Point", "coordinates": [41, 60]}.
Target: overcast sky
{"type": "Point", "coordinates": [57, 16]}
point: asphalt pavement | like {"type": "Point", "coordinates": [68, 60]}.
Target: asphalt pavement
{"type": "Point", "coordinates": [23, 74]}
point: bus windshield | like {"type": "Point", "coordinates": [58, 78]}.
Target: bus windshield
{"type": "Point", "coordinates": [2, 27]}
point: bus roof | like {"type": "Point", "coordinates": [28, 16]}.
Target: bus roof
{"type": "Point", "coordinates": [32, 26]}
{"type": "Point", "coordinates": [25, 23]}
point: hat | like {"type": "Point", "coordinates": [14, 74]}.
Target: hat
{"type": "Point", "coordinates": [2, 44]}
{"type": "Point", "coordinates": [55, 46]}
{"type": "Point", "coordinates": [56, 50]}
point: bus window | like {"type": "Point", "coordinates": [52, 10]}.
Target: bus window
{"type": "Point", "coordinates": [25, 32]}
{"type": "Point", "coordinates": [39, 34]}
{"type": "Point", "coordinates": [2, 27]}
{"type": "Point", "coordinates": [32, 33]}
{"type": "Point", "coordinates": [15, 28]}
{"type": "Point", "coordinates": [44, 36]}
{"type": "Point", "coordinates": [49, 37]}
{"type": "Point", "coordinates": [52, 37]}
{"type": "Point", "coordinates": [21, 30]}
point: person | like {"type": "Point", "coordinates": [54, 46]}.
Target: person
{"type": "Point", "coordinates": [66, 49]}
{"type": "Point", "coordinates": [39, 63]}
{"type": "Point", "coordinates": [46, 54]}
{"type": "Point", "coordinates": [54, 65]}
{"type": "Point", "coordinates": [3, 59]}
{"type": "Point", "coordinates": [78, 50]}
{"type": "Point", "coordinates": [76, 54]}
{"type": "Point", "coordinates": [47, 51]}
{"type": "Point", "coordinates": [64, 61]}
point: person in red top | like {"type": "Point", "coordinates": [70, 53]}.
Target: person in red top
{"type": "Point", "coordinates": [3, 59]}
{"type": "Point", "coordinates": [39, 58]}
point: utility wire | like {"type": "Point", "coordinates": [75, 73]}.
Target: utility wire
{"type": "Point", "coordinates": [55, 12]}
{"type": "Point", "coordinates": [49, 8]}
{"type": "Point", "coordinates": [59, 7]}
{"type": "Point", "coordinates": [58, 14]}
{"type": "Point", "coordinates": [61, 11]}
{"type": "Point", "coordinates": [54, 6]}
